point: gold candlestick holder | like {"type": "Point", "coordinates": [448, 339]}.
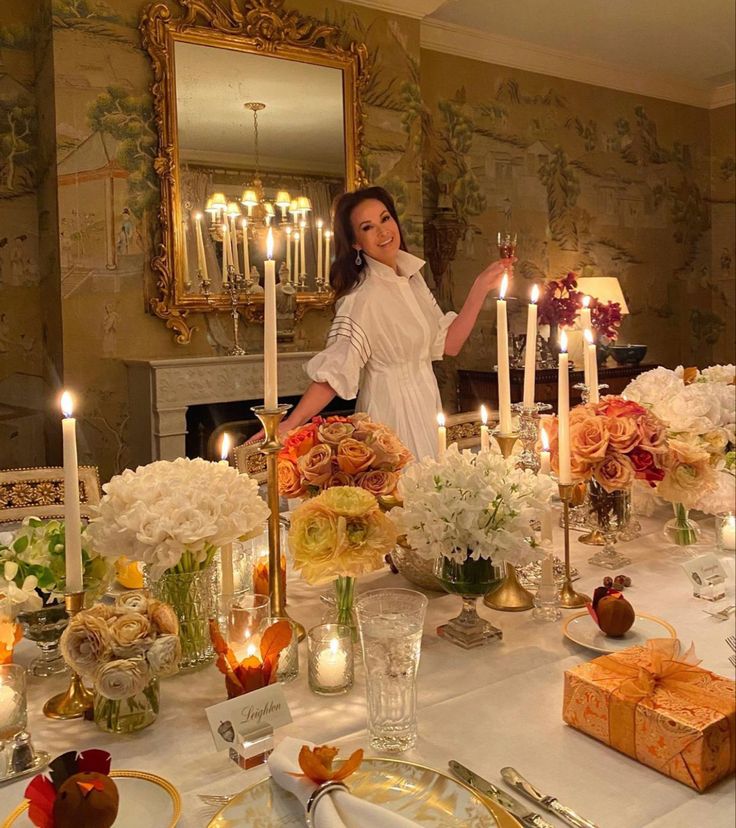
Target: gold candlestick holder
{"type": "Point", "coordinates": [510, 595]}
{"type": "Point", "coordinates": [271, 446]}
{"type": "Point", "coordinates": [569, 598]}
{"type": "Point", "coordinates": [76, 700]}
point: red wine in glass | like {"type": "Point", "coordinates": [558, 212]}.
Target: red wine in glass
{"type": "Point", "coordinates": [506, 245]}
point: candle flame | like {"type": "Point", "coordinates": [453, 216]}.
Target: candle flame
{"type": "Point", "coordinates": [328, 233]}
{"type": "Point", "coordinates": [588, 334]}
{"type": "Point", "coordinates": [288, 231]}
{"type": "Point", "coordinates": [198, 217]}
{"type": "Point", "coordinates": [296, 236]}
{"type": "Point", "coordinates": [535, 294]}
{"type": "Point", "coordinates": [483, 415]}
{"type": "Point", "coordinates": [319, 224]}
{"type": "Point", "coordinates": [586, 301]}
{"type": "Point", "coordinates": [563, 341]}
{"type": "Point", "coordinates": [67, 407]}
{"type": "Point", "coordinates": [544, 438]}
{"type": "Point", "coordinates": [334, 644]}
{"type": "Point", "coordinates": [225, 446]}
{"type": "Point", "coordinates": [504, 285]}
{"type": "Point", "coordinates": [440, 419]}
{"type": "Point", "coordinates": [269, 244]}
{"type": "Point", "coordinates": [251, 650]}
{"type": "Point", "coordinates": [244, 224]}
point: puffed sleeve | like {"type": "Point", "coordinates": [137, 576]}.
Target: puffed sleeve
{"type": "Point", "coordinates": [346, 352]}
{"type": "Point", "coordinates": [433, 310]}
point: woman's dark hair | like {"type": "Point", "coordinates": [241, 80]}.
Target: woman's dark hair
{"type": "Point", "coordinates": [344, 273]}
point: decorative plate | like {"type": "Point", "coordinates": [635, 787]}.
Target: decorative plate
{"type": "Point", "coordinates": [146, 801]}
{"type": "Point", "coordinates": [582, 629]}
{"type": "Point", "coordinates": [428, 797]}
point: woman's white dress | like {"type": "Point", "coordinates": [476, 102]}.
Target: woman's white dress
{"type": "Point", "coordinates": [385, 335]}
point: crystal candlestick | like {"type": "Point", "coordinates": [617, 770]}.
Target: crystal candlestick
{"type": "Point", "coordinates": [528, 433]}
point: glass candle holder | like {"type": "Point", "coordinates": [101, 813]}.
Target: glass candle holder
{"type": "Point", "coordinates": [13, 705]}
{"type": "Point", "coordinates": [330, 659]}
{"type": "Point", "coordinates": [244, 615]}
{"type": "Point", "coordinates": [726, 532]}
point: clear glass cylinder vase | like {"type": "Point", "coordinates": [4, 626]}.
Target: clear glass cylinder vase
{"type": "Point", "coordinates": [609, 514]}
{"type": "Point", "coordinates": [680, 530]}
{"type": "Point", "coordinates": [129, 714]}
{"type": "Point", "coordinates": [194, 598]}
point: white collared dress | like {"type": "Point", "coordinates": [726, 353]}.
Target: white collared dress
{"type": "Point", "coordinates": [385, 335]}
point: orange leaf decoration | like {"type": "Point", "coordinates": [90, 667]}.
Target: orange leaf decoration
{"type": "Point", "coordinates": [274, 639]}
{"type": "Point", "coordinates": [689, 375]}
{"type": "Point", "coordinates": [316, 764]}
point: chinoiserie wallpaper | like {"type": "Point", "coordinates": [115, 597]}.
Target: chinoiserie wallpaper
{"type": "Point", "coordinates": [593, 180]}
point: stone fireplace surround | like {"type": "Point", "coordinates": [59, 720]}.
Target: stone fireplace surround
{"type": "Point", "coordinates": [161, 390]}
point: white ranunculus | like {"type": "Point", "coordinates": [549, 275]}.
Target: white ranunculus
{"type": "Point", "coordinates": [164, 655]}
{"type": "Point", "coordinates": [719, 373]}
{"type": "Point", "coordinates": [132, 602]}
{"type": "Point", "coordinates": [122, 678]}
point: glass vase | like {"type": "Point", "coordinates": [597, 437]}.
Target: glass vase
{"type": "Point", "coordinates": [193, 596]}
{"type": "Point", "coordinates": [609, 514]}
{"type": "Point", "coordinates": [45, 627]}
{"type": "Point", "coordinates": [470, 580]}
{"type": "Point", "coordinates": [680, 530]}
{"type": "Point", "coordinates": [129, 714]}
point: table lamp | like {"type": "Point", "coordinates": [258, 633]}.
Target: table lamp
{"type": "Point", "coordinates": [604, 289]}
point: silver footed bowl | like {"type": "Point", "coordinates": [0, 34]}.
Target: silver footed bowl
{"type": "Point", "coordinates": [415, 568]}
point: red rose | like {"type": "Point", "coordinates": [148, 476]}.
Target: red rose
{"type": "Point", "coordinates": [299, 442]}
{"type": "Point", "coordinates": [645, 467]}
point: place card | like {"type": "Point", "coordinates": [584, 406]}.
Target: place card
{"type": "Point", "coordinates": [708, 577]}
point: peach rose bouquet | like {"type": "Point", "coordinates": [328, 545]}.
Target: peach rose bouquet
{"type": "Point", "coordinates": [342, 451]}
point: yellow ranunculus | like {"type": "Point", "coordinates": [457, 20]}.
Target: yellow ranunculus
{"type": "Point", "coordinates": [313, 538]}
{"type": "Point", "coordinates": [348, 501]}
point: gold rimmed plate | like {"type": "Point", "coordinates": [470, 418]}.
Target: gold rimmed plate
{"type": "Point", "coordinates": [582, 629]}
{"type": "Point", "coordinates": [146, 801]}
{"type": "Point", "coordinates": [426, 796]}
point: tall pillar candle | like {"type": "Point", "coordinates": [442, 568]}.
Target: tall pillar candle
{"type": "Point", "coordinates": [319, 250]}
{"type": "Point", "coordinates": [246, 253]}
{"type": "Point", "coordinates": [225, 253]}
{"type": "Point", "coordinates": [288, 253]}
{"type": "Point", "coordinates": [441, 436]}
{"type": "Point", "coordinates": [201, 261]}
{"type": "Point", "coordinates": [226, 550]}
{"type": "Point", "coordinates": [587, 340]}
{"type": "Point", "coordinates": [502, 338]}
{"type": "Point", "coordinates": [593, 395]}
{"type": "Point", "coordinates": [328, 236]}
{"type": "Point", "coordinates": [545, 465]}
{"type": "Point", "coordinates": [530, 357]}
{"type": "Point", "coordinates": [295, 280]}
{"type": "Point", "coordinates": [563, 412]}
{"type": "Point", "coordinates": [302, 258]}
{"type": "Point", "coordinates": [185, 248]}
{"type": "Point", "coordinates": [585, 321]}
{"type": "Point", "coordinates": [72, 519]}
{"type": "Point", "coordinates": [270, 371]}
{"type": "Point", "coordinates": [485, 437]}
{"type": "Point", "coordinates": [234, 244]}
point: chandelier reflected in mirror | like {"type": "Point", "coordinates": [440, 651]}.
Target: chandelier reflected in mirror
{"type": "Point", "coordinates": [238, 226]}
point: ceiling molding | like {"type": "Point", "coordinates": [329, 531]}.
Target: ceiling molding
{"type": "Point", "coordinates": [407, 8]}
{"type": "Point", "coordinates": [517, 54]}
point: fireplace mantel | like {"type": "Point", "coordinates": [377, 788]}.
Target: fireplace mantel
{"type": "Point", "coordinates": [161, 390]}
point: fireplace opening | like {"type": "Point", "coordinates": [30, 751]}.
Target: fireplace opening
{"type": "Point", "coordinates": [207, 422]}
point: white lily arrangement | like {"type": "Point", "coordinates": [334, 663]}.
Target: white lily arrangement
{"type": "Point", "coordinates": [174, 514]}
{"type": "Point", "coordinates": [472, 506]}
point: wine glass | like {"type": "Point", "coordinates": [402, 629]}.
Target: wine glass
{"type": "Point", "coordinates": [506, 244]}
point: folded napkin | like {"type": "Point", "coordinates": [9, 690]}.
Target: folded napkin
{"type": "Point", "coordinates": [337, 808]}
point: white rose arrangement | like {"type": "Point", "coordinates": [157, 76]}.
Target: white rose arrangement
{"type": "Point", "coordinates": [174, 515]}
{"type": "Point", "coordinates": [472, 506]}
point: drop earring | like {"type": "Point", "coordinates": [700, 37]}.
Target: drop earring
{"type": "Point", "coordinates": [358, 259]}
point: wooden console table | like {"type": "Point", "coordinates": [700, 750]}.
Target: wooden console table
{"type": "Point", "coordinates": [476, 387]}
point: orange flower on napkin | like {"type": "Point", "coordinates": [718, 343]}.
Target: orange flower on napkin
{"type": "Point", "coordinates": [316, 764]}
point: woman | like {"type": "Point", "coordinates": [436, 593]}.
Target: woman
{"type": "Point", "coordinates": [388, 327]}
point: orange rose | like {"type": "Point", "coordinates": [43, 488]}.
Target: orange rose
{"type": "Point", "coordinates": [615, 472]}
{"type": "Point", "coordinates": [652, 434]}
{"type": "Point", "coordinates": [340, 478]}
{"type": "Point", "coordinates": [588, 440]}
{"type": "Point", "coordinates": [354, 457]}
{"type": "Point", "coordinates": [391, 453]}
{"type": "Point", "coordinates": [623, 433]}
{"type": "Point", "coordinates": [298, 442]}
{"type": "Point", "coordinates": [290, 482]}
{"type": "Point", "coordinates": [335, 432]}
{"type": "Point", "coordinates": [619, 407]}
{"type": "Point", "coordinates": [377, 482]}
{"type": "Point", "coordinates": [316, 465]}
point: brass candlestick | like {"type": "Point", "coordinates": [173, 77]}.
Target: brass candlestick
{"type": "Point", "coordinates": [569, 598]}
{"type": "Point", "coordinates": [510, 595]}
{"type": "Point", "coordinates": [77, 699]}
{"type": "Point", "coordinates": [271, 446]}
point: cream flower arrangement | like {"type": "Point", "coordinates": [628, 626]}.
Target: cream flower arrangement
{"type": "Point", "coordinates": [471, 506]}
{"type": "Point", "coordinates": [174, 515]}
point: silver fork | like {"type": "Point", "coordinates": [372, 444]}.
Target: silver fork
{"type": "Point", "coordinates": [721, 614]}
{"type": "Point", "coordinates": [215, 799]}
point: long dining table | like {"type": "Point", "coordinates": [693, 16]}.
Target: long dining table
{"type": "Point", "coordinates": [489, 707]}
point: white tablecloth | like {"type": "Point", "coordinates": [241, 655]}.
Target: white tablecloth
{"type": "Point", "coordinates": [490, 707]}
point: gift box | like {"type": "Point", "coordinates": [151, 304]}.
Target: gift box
{"type": "Point", "coordinates": [655, 704]}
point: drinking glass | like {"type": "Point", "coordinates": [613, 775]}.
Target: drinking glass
{"type": "Point", "coordinates": [13, 709]}
{"type": "Point", "coordinates": [390, 623]}
{"type": "Point", "coordinates": [45, 627]}
{"type": "Point", "coordinates": [506, 244]}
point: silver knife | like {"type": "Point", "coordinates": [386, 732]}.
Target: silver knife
{"type": "Point", "coordinates": [549, 803]}
{"type": "Point", "coordinates": [529, 818]}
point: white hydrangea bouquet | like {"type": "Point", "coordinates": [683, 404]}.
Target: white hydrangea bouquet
{"type": "Point", "coordinates": [174, 514]}
{"type": "Point", "coordinates": [472, 506]}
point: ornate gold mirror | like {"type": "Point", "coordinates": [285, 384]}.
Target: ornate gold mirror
{"type": "Point", "coordinates": [258, 111]}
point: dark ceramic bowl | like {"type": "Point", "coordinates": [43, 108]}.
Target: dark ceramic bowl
{"type": "Point", "coordinates": [628, 354]}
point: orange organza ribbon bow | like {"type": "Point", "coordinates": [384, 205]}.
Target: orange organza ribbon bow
{"type": "Point", "coordinates": [667, 667]}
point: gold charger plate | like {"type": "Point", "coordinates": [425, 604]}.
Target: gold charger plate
{"type": "Point", "coordinates": [429, 797]}
{"type": "Point", "coordinates": [141, 806]}
{"type": "Point", "coordinates": [582, 629]}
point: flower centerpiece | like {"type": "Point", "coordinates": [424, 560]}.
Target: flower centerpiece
{"type": "Point", "coordinates": [174, 516]}
{"type": "Point", "coordinates": [699, 411]}
{"type": "Point", "coordinates": [469, 513]}
{"type": "Point", "coordinates": [338, 535]}
{"type": "Point", "coordinates": [123, 650]}
{"type": "Point", "coordinates": [612, 443]}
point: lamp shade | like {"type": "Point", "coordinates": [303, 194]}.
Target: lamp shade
{"type": "Point", "coordinates": [604, 289]}
{"type": "Point", "coordinates": [283, 199]}
{"type": "Point", "coordinates": [249, 198]}
{"type": "Point", "coordinates": [233, 209]}
{"type": "Point", "coordinates": [304, 204]}
{"type": "Point", "coordinates": [217, 202]}
{"type": "Point", "coordinates": [293, 207]}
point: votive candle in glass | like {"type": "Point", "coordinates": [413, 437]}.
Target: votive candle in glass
{"type": "Point", "coordinates": [13, 708]}
{"type": "Point", "coordinates": [330, 659]}
{"type": "Point", "coordinates": [726, 532]}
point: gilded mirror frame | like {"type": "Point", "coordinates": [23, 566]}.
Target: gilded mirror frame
{"type": "Point", "coordinates": [258, 27]}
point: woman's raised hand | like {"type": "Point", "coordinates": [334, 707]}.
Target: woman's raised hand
{"type": "Point", "coordinates": [490, 278]}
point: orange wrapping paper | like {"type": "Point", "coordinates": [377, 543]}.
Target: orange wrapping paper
{"type": "Point", "coordinates": [657, 706]}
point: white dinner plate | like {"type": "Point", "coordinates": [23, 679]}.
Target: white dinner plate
{"type": "Point", "coordinates": [582, 629]}
{"type": "Point", "coordinates": [146, 801]}
{"type": "Point", "coordinates": [428, 797]}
